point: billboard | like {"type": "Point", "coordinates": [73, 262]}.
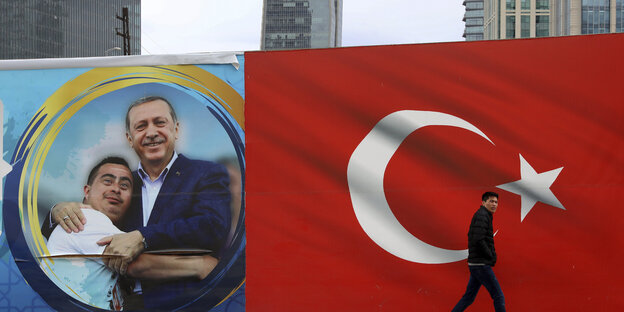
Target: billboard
{"type": "Point", "coordinates": [59, 123]}
{"type": "Point", "coordinates": [366, 165]}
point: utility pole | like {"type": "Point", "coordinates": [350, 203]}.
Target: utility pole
{"type": "Point", "coordinates": [125, 34]}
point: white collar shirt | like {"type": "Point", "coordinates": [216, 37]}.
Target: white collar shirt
{"type": "Point", "coordinates": [150, 189]}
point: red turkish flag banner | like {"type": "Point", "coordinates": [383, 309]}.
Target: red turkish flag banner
{"type": "Point", "coordinates": [365, 165]}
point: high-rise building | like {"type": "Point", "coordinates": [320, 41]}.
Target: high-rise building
{"type": "Point", "coordinates": [67, 28]}
{"type": "Point", "coordinates": [301, 24]}
{"type": "Point", "coordinates": [602, 16]}
{"type": "Point", "coordinates": [474, 20]}
{"type": "Point", "coordinates": [506, 19]}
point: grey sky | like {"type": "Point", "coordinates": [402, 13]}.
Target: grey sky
{"type": "Point", "coordinates": [187, 26]}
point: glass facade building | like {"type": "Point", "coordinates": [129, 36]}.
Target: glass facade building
{"type": "Point", "coordinates": [619, 16]}
{"type": "Point", "coordinates": [301, 24]}
{"type": "Point", "coordinates": [66, 28]}
{"type": "Point", "coordinates": [507, 19]}
{"type": "Point", "coordinates": [595, 17]}
{"type": "Point", "coordinates": [474, 20]}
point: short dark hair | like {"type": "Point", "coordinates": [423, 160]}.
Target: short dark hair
{"type": "Point", "coordinates": [487, 195]}
{"type": "Point", "coordinates": [108, 160]}
{"type": "Point", "coordinates": [146, 99]}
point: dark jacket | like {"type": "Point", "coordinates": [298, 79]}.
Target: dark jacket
{"type": "Point", "coordinates": [192, 210]}
{"type": "Point", "coordinates": [481, 238]}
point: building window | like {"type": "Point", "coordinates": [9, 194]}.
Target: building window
{"type": "Point", "coordinates": [473, 13]}
{"type": "Point", "coordinates": [474, 5]}
{"type": "Point", "coordinates": [619, 15]}
{"type": "Point", "coordinates": [525, 4]}
{"type": "Point", "coordinates": [510, 27]}
{"type": "Point", "coordinates": [474, 30]}
{"type": "Point", "coordinates": [474, 22]}
{"type": "Point", "coordinates": [542, 26]}
{"type": "Point", "coordinates": [474, 37]}
{"type": "Point", "coordinates": [542, 4]}
{"type": "Point", "coordinates": [525, 26]}
{"type": "Point", "coordinates": [511, 4]}
{"type": "Point", "coordinates": [595, 16]}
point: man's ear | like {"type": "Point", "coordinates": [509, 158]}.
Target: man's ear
{"type": "Point", "coordinates": [86, 189]}
{"type": "Point", "coordinates": [129, 138]}
{"type": "Point", "coordinates": [177, 129]}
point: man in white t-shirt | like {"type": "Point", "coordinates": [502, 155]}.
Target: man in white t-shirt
{"type": "Point", "coordinates": [108, 192]}
{"type": "Point", "coordinates": [87, 278]}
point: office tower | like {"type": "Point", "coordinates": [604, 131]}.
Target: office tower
{"type": "Point", "coordinates": [66, 28]}
{"type": "Point", "coordinates": [473, 19]}
{"type": "Point", "coordinates": [506, 19]}
{"type": "Point", "coordinates": [301, 24]}
{"type": "Point", "coordinates": [602, 16]}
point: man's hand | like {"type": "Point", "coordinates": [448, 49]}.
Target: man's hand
{"type": "Point", "coordinates": [127, 246]}
{"type": "Point", "coordinates": [69, 216]}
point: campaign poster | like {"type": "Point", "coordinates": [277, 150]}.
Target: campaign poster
{"type": "Point", "coordinates": [366, 165]}
{"type": "Point", "coordinates": [59, 121]}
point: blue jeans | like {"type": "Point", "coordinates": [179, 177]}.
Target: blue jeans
{"type": "Point", "coordinates": [481, 275]}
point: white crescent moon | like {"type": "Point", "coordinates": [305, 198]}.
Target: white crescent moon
{"type": "Point", "coordinates": [365, 175]}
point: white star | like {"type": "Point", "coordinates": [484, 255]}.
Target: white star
{"type": "Point", "coordinates": [533, 187]}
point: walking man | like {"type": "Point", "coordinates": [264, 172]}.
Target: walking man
{"type": "Point", "coordinates": [482, 256]}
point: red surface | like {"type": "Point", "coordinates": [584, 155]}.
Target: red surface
{"type": "Point", "coordinates": [556, 101]}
